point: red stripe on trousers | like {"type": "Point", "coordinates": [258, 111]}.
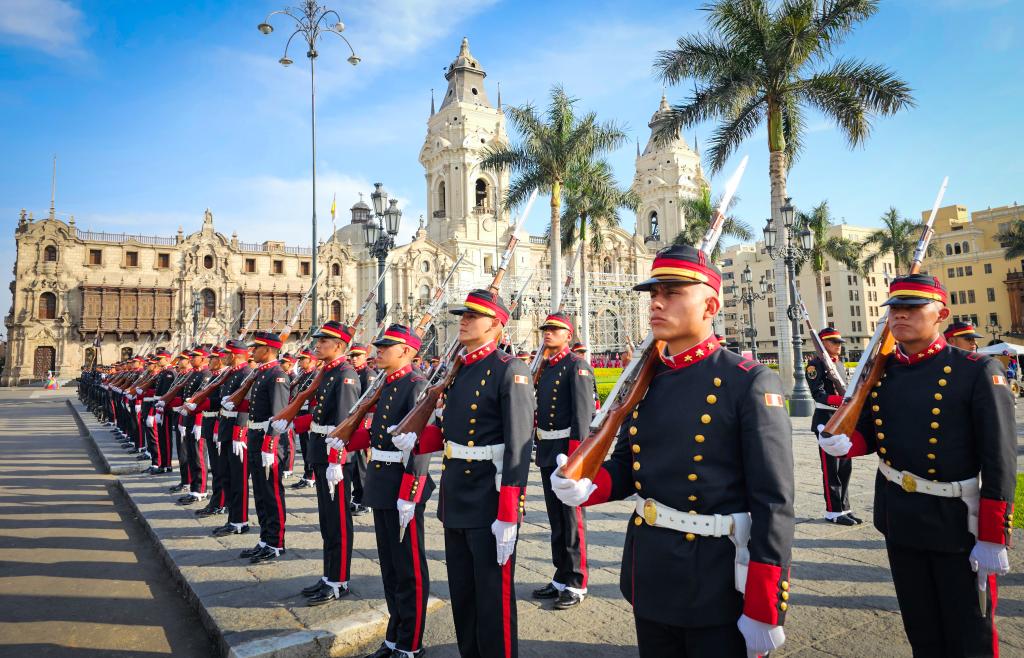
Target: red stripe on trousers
{"type": "Point", "coordinates": [280, 507]}
{"type": "Point", "coordinates": [200, 448]}
{"type": "Point", "coordinates": [581, 529]}
{"type": "Point", "coordinates": [506, 603]}
{"type": "Point", "coordinates": [245, 487]}
{"type": "Point", "coordinates": [993, 596]}
{"type": "Point", "coordinates": [824, 476]}
{"type": "Point", "coordinates": [418, 634]}
{"type": "Point", "coordinates": [343, 528]}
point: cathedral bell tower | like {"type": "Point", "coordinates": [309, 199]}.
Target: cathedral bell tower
{"type": "Point", "coordinates": [666, 173]}
{"type": "Point", "coordinates": [463, 200]}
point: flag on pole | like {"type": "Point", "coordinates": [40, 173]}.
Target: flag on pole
{"type": "Point", "coordinates": [334, 209]}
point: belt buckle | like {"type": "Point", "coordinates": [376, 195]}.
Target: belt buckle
{"type": "Point", "coordinates": [650, 511]}
{"type": "Point", "coordinates": [448, 450]}
{"type": "Point", "coordinates": [909, 484]}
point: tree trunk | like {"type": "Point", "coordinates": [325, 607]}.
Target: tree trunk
{"type": "Point", "coordinates": [584, 296]}
{"type": "Point", "coordinates": [819, 283]}
{"type": "Point", "coordinates": [556, 246]}
{"type": "Point", "coordinates": [777, 174]}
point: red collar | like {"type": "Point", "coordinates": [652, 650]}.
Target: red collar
{"type": "Point", "coordinates": [558, 357]}
{"type": "Point", "coordinates": [337, 362]}
{"type": "Point", "coordinates": [360, 368]}
{"type": "Point", "coordinates": [398, 374]}
{"type": "Point", "coordinates": [239, 366]}
{"type": "Point", "coordinates": [698, 352]}
{"type": "Point", "coordinates": [479, 353]}
{"type": "Point", "coordinates": [268, 365]}
{"type": "Point", "coordinates": [937, 346]}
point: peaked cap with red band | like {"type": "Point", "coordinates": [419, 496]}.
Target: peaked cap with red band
{"type": "Point", "coordinates": [236, 347]}
{"type": "Point", "coordinates": [961, 330]}
{"type": "Point", "coordinates": [288, 357]}
{"type": "Point", "coordinates": [483, 302]}
{"type": "Point", "coordinates": [578, 347]}
{"type": "Point", "coordinates": [399, 334]}
{"type": "Point", "coordinates": [307, 354]}
{"type": "Point", "coordinates": [267, 339]}
{"type": "Point", "coordinates": [162, 353]}
{"type": "Point", "coordinates": [682, 263]}
{"type": "Point", "coordinates": [558, 321]}
{"type": "Point", "coordinates": [915, 290]}
{"type": "Point", "coordinates": [334, 329]}
{"type": "Point", "coordinates": [357, 348]}
{"type": "Point", "coordinates": [831, 333]}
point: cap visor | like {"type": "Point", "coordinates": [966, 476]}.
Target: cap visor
{"type": "Point", "coordinates": [908, 301]}
{"type": "Point", "coordinates": [385, 342]}
{"type": "Point", "coordinates": [644, 286]}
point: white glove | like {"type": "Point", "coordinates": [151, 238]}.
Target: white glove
{"type": "Point", "coordinates": [989, 558]}
{"type": "Point", "coordinates": [227, 404]}
{"type": "Point", "coordinates": [150, 422]}
{"type": "Point", "coordinates": [160, 405]}
{"type": "Point", "coordinates": [836, 445]}
{"type": "Point", "coordinates": [138, 391]}
{"type": "Point", "coordinates": [197, 431]}
{"type": "Point", "coordinates": [404, 442]}
{"type": "Point", "coordinates": [759, 636]}
{"type": "Point", "coordinates": [159, 418]}
{"type": "Point", "coordinates": [267, 458]}
{"type": "Point", "coordinates": [571, 492]}
{"type": "Point", "coordinates": [505, 533]}
{"type": "Point", "coordinates": [335, 444]}
{"type": "Point", "coordinates": [239, 448]}
{"type": "Point", "coordinates": [176, 410]}
{"type": "Point", "coordinates": [191, 406]}
{"type": "Point", "coordinates": [280, 425]}
{"type": "Point", "coordinates": [406, 510]}
{"type": "Point", "coordinates": [335, 475]}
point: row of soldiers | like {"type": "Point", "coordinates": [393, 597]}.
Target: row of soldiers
{"type": "Point", "coordinates": [706, 454]}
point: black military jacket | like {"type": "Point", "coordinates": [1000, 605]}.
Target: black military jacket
{"type": "Point", "coordinates": [383, 481]}
{"type": "Point", "coordinates": [823, 390]}
{"type": "Point", "coordinates": [366, 375]}
{"type": "Point", "coordinates": [302, 382]}
{"type": "Point", "coordinates": [197, 380]}
{"type": "Point", "coordinates": [269, 393]}
{"type": "Point", "coordinates": [335, 396]}
{"type": "Point", "coordinates": [711, 436]}
{"type": "Point", "coordinates": [565, 399]}
{"type": "Point", "coordinates": [238, 375]}
{"type": "Point", "coordinates": [163, 381]}
{"type": "Point", "coordinates": [489, 402]}
{"type": "Point", "coordinates": [946, 415]}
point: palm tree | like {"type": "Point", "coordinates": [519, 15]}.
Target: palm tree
{"type": "Point", "coordinates": [550, 147]}
{"type": "Point", "coordinates": [766, 62]}
{"type": "Point", "coordinates": [1012, 239]}
{"type": "Point", "coordinates": [592, 202]}
{"type": "Point", "coordinates": [699, 211]}
{"type": "Point", "coordinates": [897, 237]}
{"type": "Point", "coordinates": [843, 250]}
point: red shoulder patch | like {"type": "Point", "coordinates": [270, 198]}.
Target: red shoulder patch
{"type": "Point", "coordinates": [973, 356]}
{"type": "Point", "coordinates": [504, 357]}
{"type": "Point", "coordinates": [747, 365]}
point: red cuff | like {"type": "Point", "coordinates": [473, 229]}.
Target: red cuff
{"type": "Point", "coordinates": [335, 457]}
{"type": "Point", "coordinates": [302, 423]}
{"type": "Point", "coordinates": [412, 487]}
{"type": "Point", "coordinates": [573, 444]}
{"type": "Point", "coordinates": [176, 402]}
{"type": "Point", "coordinates": [244, 406]}
{"type": "Point", "coordinates": [360, 440]}
{"type": "Point", "coordinates": [431, 440]}
{"type": "Point", "coordinates": [603, 481]}
{"type": "Point", "coordinates": [859, 447]}
{"type": "Point", "coordinates": [268, 443]}
{"type": "Point", "coordinates": [150, 392]}
{"type": "Point", "coordinates": [511, 504]}
{"type": "Point", "coordinates": [995, 518]}
{"type": "Point", "coordinates": [766, 594]}
{"type": "Point", "coordinates": [834, 400]}
{"type": "Point", "coordinates": [238, 433]}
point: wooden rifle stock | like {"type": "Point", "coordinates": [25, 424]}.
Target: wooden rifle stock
{"type": "Point", "coordinates": [348, 427]}
{"type": "Point", "coordinates": [292, 409]}
{"type": "Point", "coordinates": [420, 414]}
{"type": "Point", "coordinates": [239, 394]}
{"type": "Point", "coordinates": [586, 461]}
{"type": "Point", "coordinates": [206, 392]}
{"type": "Point", "coordinates": [173, 391]}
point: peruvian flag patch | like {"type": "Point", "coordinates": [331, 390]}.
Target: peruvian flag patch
{"type": "Point", "coordinates": [584, 373]}
{"type": "Point", "coordinates": [348, 380]}
{"type": "Point", "coordinates": [519, 379]}
{"type": "Point", "coordinates": [999, 380]}
{"type": "Point", "coordinates": [773, 400]}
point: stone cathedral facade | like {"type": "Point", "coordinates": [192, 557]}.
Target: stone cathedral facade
{"type": "Point", "coordinates": [80, 297]}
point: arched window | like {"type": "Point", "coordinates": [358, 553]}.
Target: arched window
{"type": "Point", "coordinates": [126, 353]}
{"type": "Point", "coordinates": [967, 248]}
{"type": "Point", "coordinates": [956, 248]}
{"type": "Point", "coordinates": [335, 269]}
{"type": "Point", "coordinates": [652, 220]}
{"type": "Point", "coordinates": [47, 306]}
{"type": "Point", "coordinates": [425, 293]}
{"type": "Point", "coordinates": [336, 311]}
{"type": "Point", "coordinates": [606, 265]}
{"type": "Point", "coordinates": [481, 195]}
{"type": "Point", "coordinates": [441, 198]}
{"type": "Point", "coordinates": [949, 250]}
{"type": "Point", "coordinates": [209, 303]}
{"type": "Point", "coordinates": [90, 357]}
{"type": "Point", "coordinates": [50, 254]}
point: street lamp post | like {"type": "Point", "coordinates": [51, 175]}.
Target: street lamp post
{"type": "Point", "coordinates": [748, 297]}
{"type": "Point", "coordinates": [195, 315]}
{"type": "Point", "coordinates": [379, 235]}
{"type": "Point", "coordinates": [792, 252]}
{"type": "Point", "coordinates": [995, 330]}
{"type": "Point", "coordinates": [312, 21]}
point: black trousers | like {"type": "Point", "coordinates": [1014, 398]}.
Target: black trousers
{"type": "Point", "coordinates": [210, 427]}
{"type": "Point", "coordinates": [235, 470]}
{"type": "Point", "coordinates": [938, 596]}
{"type": "Point", "coordinates": [149, 436]}
{"type": "Point", "coordinates": [568, 537]}
{"type": "Point", "coordinates": [483, 594]}
{"type": "Point", "coordinates": [355, 472]}
{"type": "Point", "coordinates": [403, 568]}
{"type": "Point", "coordinates": [307, 468]}
{"type": "Point", "coordinates": [656, 640]}
{"type": "Point", "coordinates": [181, 438]}
{"type": "Point", "coordinates": [195, 457]}
{"type": "Point", "coordinates": [166, 440]}
{"type": "Point", "coordinates": [335, 525]}
{"type": "Point", "coordinates": [288, 439]}
{"type": "Point", "coordinates": [267, 489]}
{"type": "Point", "coordinates": [835, 481]}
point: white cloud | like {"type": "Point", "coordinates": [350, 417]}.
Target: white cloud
{"type": "Point", "coordinates": [52, 26]}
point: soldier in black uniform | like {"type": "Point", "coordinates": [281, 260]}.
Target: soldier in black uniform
{"type": "Point", "coordinates": [962, 335]}
{"type": "Point", "coordinates": [565, 406]}
{"type": "Point", "coordinates": [174, 422]}
{"type": "Point", "coordinates": [335, 396]}
{"type": "Point", "coordinates": [708, 452]}
{"type": "Point", "coordinates": [487, 430]}
{"type": "Point", "coordinates": [355, 460]}
{"type": "Point", "coordinates": [161, 426]}
{"type": "Point", "coordinates": [210, 410]}
{"type": "Point", "coordinates": [397, 488]}
{"type": "Point", "coordinates": [308, 370]}
{"type": "Point", "coordinates": [835, 471]}
{"type": "Point", "coordinates": [192, 437]}
{"type": "Point", "coordinates": [265, 449]}
{"type": "Point", "coordinates": [938, 417]}
{"type": "Point", "coordinates": [231, 435]}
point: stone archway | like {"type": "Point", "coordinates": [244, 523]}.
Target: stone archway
{"type": "Point", "coordinates": [44, 361]}
{"type": "Point", "coordinates": [608, 333]}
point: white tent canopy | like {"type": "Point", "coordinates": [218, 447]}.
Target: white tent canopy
{"type": "Point", "coordinates": [1004, 349]}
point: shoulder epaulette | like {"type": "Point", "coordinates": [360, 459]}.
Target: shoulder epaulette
{"type": "Point", "coordinates": [504, 357]}
{"type": "Point", "coordinates": [974, 356]}
{"type": "Point", "coordinates": [747, 365]}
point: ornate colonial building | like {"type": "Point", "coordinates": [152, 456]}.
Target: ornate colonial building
{"type": "Point", "coordinates": [81, 296]}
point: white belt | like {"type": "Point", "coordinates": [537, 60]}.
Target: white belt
{"type": "Point", "coordinates": [734, 526]}
{"type": "Point", "coordinates": [321, 429]}
{"type": "Point", "coordinates": [228, 414]}
{"type": "Point", "coordinates": [913, 484]}
{"type": "Point", "coordinates": [262, 427]}
{"type": "Point", "coordinates": [824, 407]}
{"type": "Point", "coordinates": [494, 454]}
{"type": "Point", "coordinates": [551, 435]}
{"type": "Point", "coordinates": [386, 456]}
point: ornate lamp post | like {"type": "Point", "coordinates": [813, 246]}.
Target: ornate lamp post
{"type": "Point", "coordinates": [312, 21]}
{"type": "Point", "coordinates": [798, 246]}
{"type": "Point", "coordinates": [995, 330]}
{"type": "Point", "coordinates": [379, 235]}
{"type": "Point", "coordinates": [748, 297]}
{"type": "Point", "coordinates": [196, 305]}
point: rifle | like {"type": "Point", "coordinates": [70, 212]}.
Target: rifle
{"type": "Point", "coordinates": [537, 366]}
{"type": "Point", "coordinates": [635, 379]}
{"type": "Point", "coordinates": [426, 404]}
{"type": "Point", "coordinates": [819, 347]}
{"type": "Point", "coordinates": [872, 362]}
{"type": "Point", "coordinates": [221, 337]}
{"type": "Point", "coordinates": [245, 329]}
{"type": "Point", "coordinates": [515, 304]}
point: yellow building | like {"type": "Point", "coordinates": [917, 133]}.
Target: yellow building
{"type": "Point", "coordinates": [984, 288]}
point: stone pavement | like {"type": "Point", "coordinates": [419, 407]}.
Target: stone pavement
{"type": "Point", "coordinates": [843, 602]}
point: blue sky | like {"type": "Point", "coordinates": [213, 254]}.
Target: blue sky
{"type": "Point", "coordinates": [159, 109]}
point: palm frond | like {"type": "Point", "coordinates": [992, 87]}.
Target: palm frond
{"type": "Point", "coordinates": [695, 56]}
{"type": "Point", "coordinates": [728, 136]}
